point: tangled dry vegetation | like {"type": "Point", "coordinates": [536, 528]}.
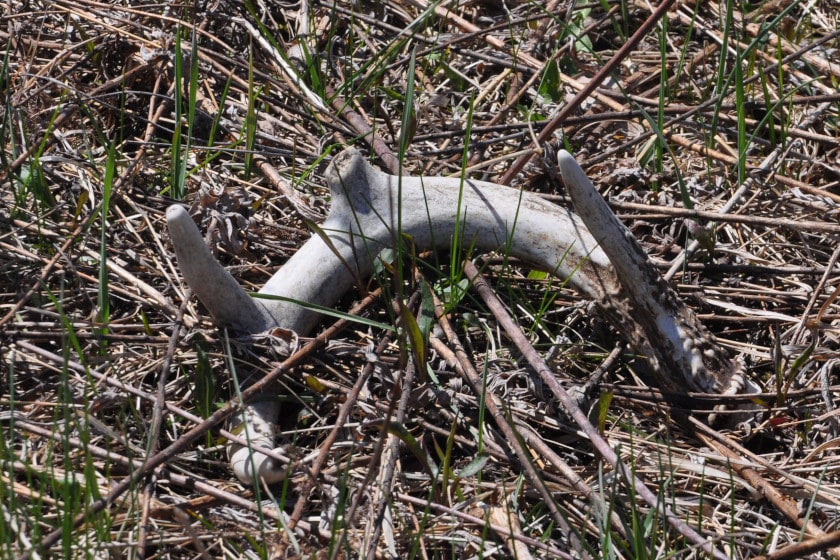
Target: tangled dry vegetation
{"type": "Point", "coordinates": [723, 161]}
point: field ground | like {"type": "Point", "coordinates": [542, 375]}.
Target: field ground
{"type": "Point", "coordinates": [719, 125]}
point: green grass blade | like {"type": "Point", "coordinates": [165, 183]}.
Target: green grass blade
{"type": "Point", "coordinates": [103, 300]}
{"type": "Point", "coordinates": [329, 312]}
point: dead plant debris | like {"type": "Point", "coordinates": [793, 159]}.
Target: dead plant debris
{"type": "Point", "coordinates": [724, 163]}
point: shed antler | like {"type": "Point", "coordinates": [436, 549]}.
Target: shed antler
{"type": "Point", "coordinates": [371, 210]}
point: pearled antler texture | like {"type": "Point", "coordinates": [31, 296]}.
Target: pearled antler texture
{"type": "Point", "coordinates": [681, 351]}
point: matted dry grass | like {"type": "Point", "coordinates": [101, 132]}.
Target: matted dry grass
{"type": "Point", "coordinates": [85, 402]}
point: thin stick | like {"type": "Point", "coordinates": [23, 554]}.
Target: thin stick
{"type": "Point", "coordinates": [546, 133]}
{"type": "Point", "coordinates": [781, 222]}
{"type": "Point", "coordinates": [574, 412]}
{"type": "Point", "coordinates": [70, 109]}
{"type": "Point", "coordinates": [45, 274]}
{"type": "Point", "coordinates": [358, 123]}
{"type": "Point", "coordinates": [805, 548]}
{"type": "Point", "coordinates": [735, 453]}
{"type": "Point", "coordinates": [192, 481]}
{"type": "Point", "coordinates": [458, 359]}
{"type": "Point", "coordinates": [344, 411]}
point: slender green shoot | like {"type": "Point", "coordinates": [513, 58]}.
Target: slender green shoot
{"type": "Point", "coordinates": [14, 509]}
{"type": "Point", "coordinates": [724, 79]}
{"type": "Point", "coordinates": [237, 388]}
{"type": "Point", "coordinates": [740, 108]}
{"type": "Point", "coordinates": [214, 127]}
{"type": "Point", "coordinates": [407, 130]}
{"type": "Point", "coordinates": [619, 24]}
{"type": "Point", "coordinates": [177, 161]}
{"type": "Point", "coordinates": [328, 311]}
{"type": "Point", "coordinates": [103, 313]}
{"type": "Point", "coordinates": [31, 177]}
{"type": "Point", "coordinates": [7, 137]}
{"type": "Point", "coordinates": [664, 94]}
{"type": "Point", "coordinates": [371, 72]}
{"type": "Point", "coordinates": [184, 122]}
{"type": "Point", "coordinates": [250, 117]}
{"type": "Point", "coordinates": [456, 275]}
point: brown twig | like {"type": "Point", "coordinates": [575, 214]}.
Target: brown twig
{"type": "Point", "coordinates": [191, 482]}
{"type": "Point", "coordinates": [459, 360]}
{"type": "Point", "coordinates": [344, 412]}
{"type": "Point", "coordinates": [359, 124]}
{"type": "Point", "coordinates": [571, 408]}
{"type": "Point", "coordinates": [46, 272]}
{"type": "Point", "coordinates": [69, 110]}
{"type": "Point", "coordinates": [735, 452]}
{"type": "Point", "coordinates": [658, 211]}
{"type": "Point", "coordinates": [608, 68]}
{"type": "Point", "coordinates": [805, 548]}
{"type": "Point", "coordinates": [156, 422]}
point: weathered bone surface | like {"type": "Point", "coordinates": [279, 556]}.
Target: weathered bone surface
{"type": "Point", "coordinates": [363, 220]}
{"type": "Point", "coordinates": [370, 208]}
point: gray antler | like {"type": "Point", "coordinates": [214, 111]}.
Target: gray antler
{"type": "Point", "coordinates": [370, 210]}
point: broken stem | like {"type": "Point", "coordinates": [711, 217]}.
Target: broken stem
{"type": "Point", "coordinates": [575, 413]}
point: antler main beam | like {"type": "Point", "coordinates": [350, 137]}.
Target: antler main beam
{"type": "Point", "coordinates": [369, 210]}
{"type": "Point", "coordinates": [372, 210]}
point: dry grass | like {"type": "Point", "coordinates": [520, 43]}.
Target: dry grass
{"type": "Point", "coordinates": [103, 367]}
